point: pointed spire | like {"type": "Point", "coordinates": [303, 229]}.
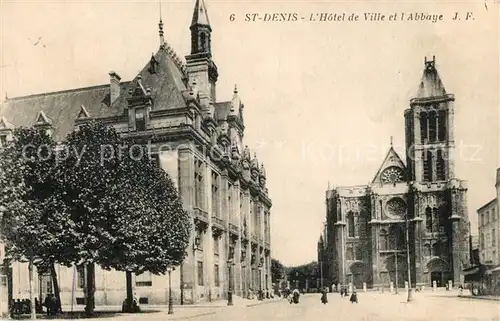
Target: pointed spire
{"type": "Point", "coordinates": [160, 26]}
{"type": "Point", "coordinates": [200, 15]}
{"type": "Point", "coordinates": [235, 102]}
{"type": "Point", "coordinates": [431, 84]}
{"type": "Point", "coordinates": [391, 140]}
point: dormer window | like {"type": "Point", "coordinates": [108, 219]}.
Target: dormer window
{"type": "Point", "coordinates": [3, 140]}
{"type": "Point", "coordinates": [140, 120]}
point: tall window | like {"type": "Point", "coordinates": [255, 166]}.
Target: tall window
{"type": "Point", "coordinates": [428, 219]}
{"type": "Point", "coordinates": [230, 202]}
{"type": "Point", "coordinates": [428, 166]}
{"type": "Point", "coordinates": [140, 120]}
{"type": "Point", "coordinates": [215, 194]}
{"type": "Point", "coordinates": [216, 245]}
{"type": "Point", "coordinates": [493, 214]}
{"type": "Point", "coordinates": [432, 126]}
{"type": "Point", "coordinates": [440, 166]}
{"type": "Point", "coordinates": [362, 226]}
{"type": "Point", "coordinates": [482, 241]}
{"type": "Point", "coordinates": [3, 140]}
{"type": "Point", "coordinates": [198, 184]}
{"type": "Point", "coordinates": [216, 274]}
{"type": "Point", "coordinates": [80, 271]}
{"type": "Point", "coordinates": [143, 279]}
{"type": "Point", "coordinates": [384, 240]}
{"type": "Point", "coordinates": [423, 126]}
{"type": "Point", "coordinates": [493, 242]}
{"type": "Point", "coordinates": [395, 237]}
{"type": "Point", "coordinates": [359, 253]}
{"type": "Point", "coordinates": [442, 218]}
{"type": "Point", "coordinates": [200, 272]}
{"type": "Point", "coordinates": [442, 125]}
{"type": "Point", "coordinates": [349, 253]}
{"type": "Point", "coordinates": [435, 220]}
{"type": "Point", "coordinates": [350, 224]}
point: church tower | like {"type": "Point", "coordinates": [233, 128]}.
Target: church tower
{"type": "Point", "coordinates": [429, 130]}
{"type": "Point", "coordinates": [202, 71]}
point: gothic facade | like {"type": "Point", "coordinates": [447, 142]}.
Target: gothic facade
{"type": "Point", "coordinates": [198, 140]}
{"type": "Point", "coordinates": [417, 207]}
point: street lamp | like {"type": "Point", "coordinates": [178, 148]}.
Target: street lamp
{"type": "Point", "coordinates": [407, 223]}
{"type": "Point", "coordinates": [229, 266]}
{"type": "Point", "coordinates": [170, 301]}
{"type": "Point", "coordinates": [260, 281]}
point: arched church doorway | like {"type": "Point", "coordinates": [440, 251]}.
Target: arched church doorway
{"type": "Point", "coordinates": [358, 274]}
{"type": "Point", "coordinates": [438, 271]}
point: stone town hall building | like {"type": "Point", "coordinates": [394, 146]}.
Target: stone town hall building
{"type": "Point", "coordinates": [364, 237]}
{"type": "Point", "coordinates": [221, 184]}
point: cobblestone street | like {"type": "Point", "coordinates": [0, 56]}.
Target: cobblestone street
{"type": "Point", "coordinates": [372, 306]}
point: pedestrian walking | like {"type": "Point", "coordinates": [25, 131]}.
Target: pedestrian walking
{"type": "Point", "coordinates": [324, 296]}
{"type": "Point", "coordinates": [354, 297]}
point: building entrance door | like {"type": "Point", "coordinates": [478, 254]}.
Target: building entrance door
{"type": "Point", "coordinates": [45, 286]}
{"type": "Point", "coordinates": [438, 277]}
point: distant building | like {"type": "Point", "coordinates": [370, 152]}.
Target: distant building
{"type": "Point", "coordinates": [489, 228]}
{"type": "Point", "coordinates": [366, 225]}
{"type": "Point", "coordinates": [221, 184]}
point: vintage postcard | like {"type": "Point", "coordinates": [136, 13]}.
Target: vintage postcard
{"type": "Point", "coordinates": [244, 160]}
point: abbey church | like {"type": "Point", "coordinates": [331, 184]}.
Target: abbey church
{"type": "Point", "coordinates": [365, 236]}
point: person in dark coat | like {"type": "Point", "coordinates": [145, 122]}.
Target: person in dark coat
{"type": "Point", "coordinates": [324, 296]}
{"type": "Point", "coordinates": [354, 297]}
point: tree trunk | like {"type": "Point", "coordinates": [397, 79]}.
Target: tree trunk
{"type": "Point", "coordinates": [32, 288]}
{"type": "Point", "coordinates": [129, 302]}
{"type": "Point", "coordinates": [57, 292]}
{"type": "Point", "coordinates": [90, 300]}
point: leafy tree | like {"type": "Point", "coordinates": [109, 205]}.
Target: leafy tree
{"type": "Point", "coordinates": [34, 222]}
{"type": "Point", "coordinates": [299, 274]}
{"type": "Point", "coordinates": [127, 212]}
{"type": "Point", "coordinates": [277, 270]}
{"type": "Point", "coordinates": [153, 229]}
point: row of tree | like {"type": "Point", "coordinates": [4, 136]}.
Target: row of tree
{"type": "Point", "coordinates": [94, 199]}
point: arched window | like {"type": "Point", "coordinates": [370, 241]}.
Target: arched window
{"type": "Point", "coordinates": [384, 240]}
{"type": "Point", "coordinates": [349, 253]}
{"type": "Point", "coordinates": [428, 219]}
{"type": "Point", "coordinates": [203, 42]}
{"type": "Point", "coordinates": [396, 237]}
{"type": "Point", "coordinates": [350, 224]}
{"type": "Point", "coordinates": [432, 126]}
{"type": "Point", "coordinates": [440, 172]}
{"type": "Point", "coordinates": [428, 167]}
{"type": "Point", "coordinates": [362, 226]}
{"type": "Point", "coordinates": [423, 127]}
{"type": "Point", "coordinates": [359, 253]}
{"type": "Point", "coordinates": [442, 125]}
{"type": "Point", "coordinates": [435, 219]}
{"type": "Point", "coordinates": [443, 213]}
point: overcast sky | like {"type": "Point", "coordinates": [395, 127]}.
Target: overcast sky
{"type": "Point", "coordinates": [321, 99]}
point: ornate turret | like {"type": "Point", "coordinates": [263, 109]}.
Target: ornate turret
{"type": "Point", "coordinates": [255, 168]}
{"type": "Point", "coordinates": [246, 158]}
{"type": "Point", "coordinates": [235, 103]}
{"type": "Point", "coordinates": [262, 176]}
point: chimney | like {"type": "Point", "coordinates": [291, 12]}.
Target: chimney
{"type": "Point", "coordinates": [114, 86]}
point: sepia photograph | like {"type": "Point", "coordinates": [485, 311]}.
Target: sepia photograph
{"type": "Point", "coordinates": [247, 160]}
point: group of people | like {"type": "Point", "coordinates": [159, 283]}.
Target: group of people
{"type": "Point", "coordinates": [18, 307]}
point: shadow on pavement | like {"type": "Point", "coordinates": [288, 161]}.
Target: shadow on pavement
{"type": "Point", "coordinates": [81, 315]}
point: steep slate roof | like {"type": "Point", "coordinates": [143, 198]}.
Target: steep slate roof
{"type": "Point", "coordinates": [64, 107]}
{"type": "Point", "coordinates": [391, 159]}
{"type": "Point", "coordinates": [431, 84]}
